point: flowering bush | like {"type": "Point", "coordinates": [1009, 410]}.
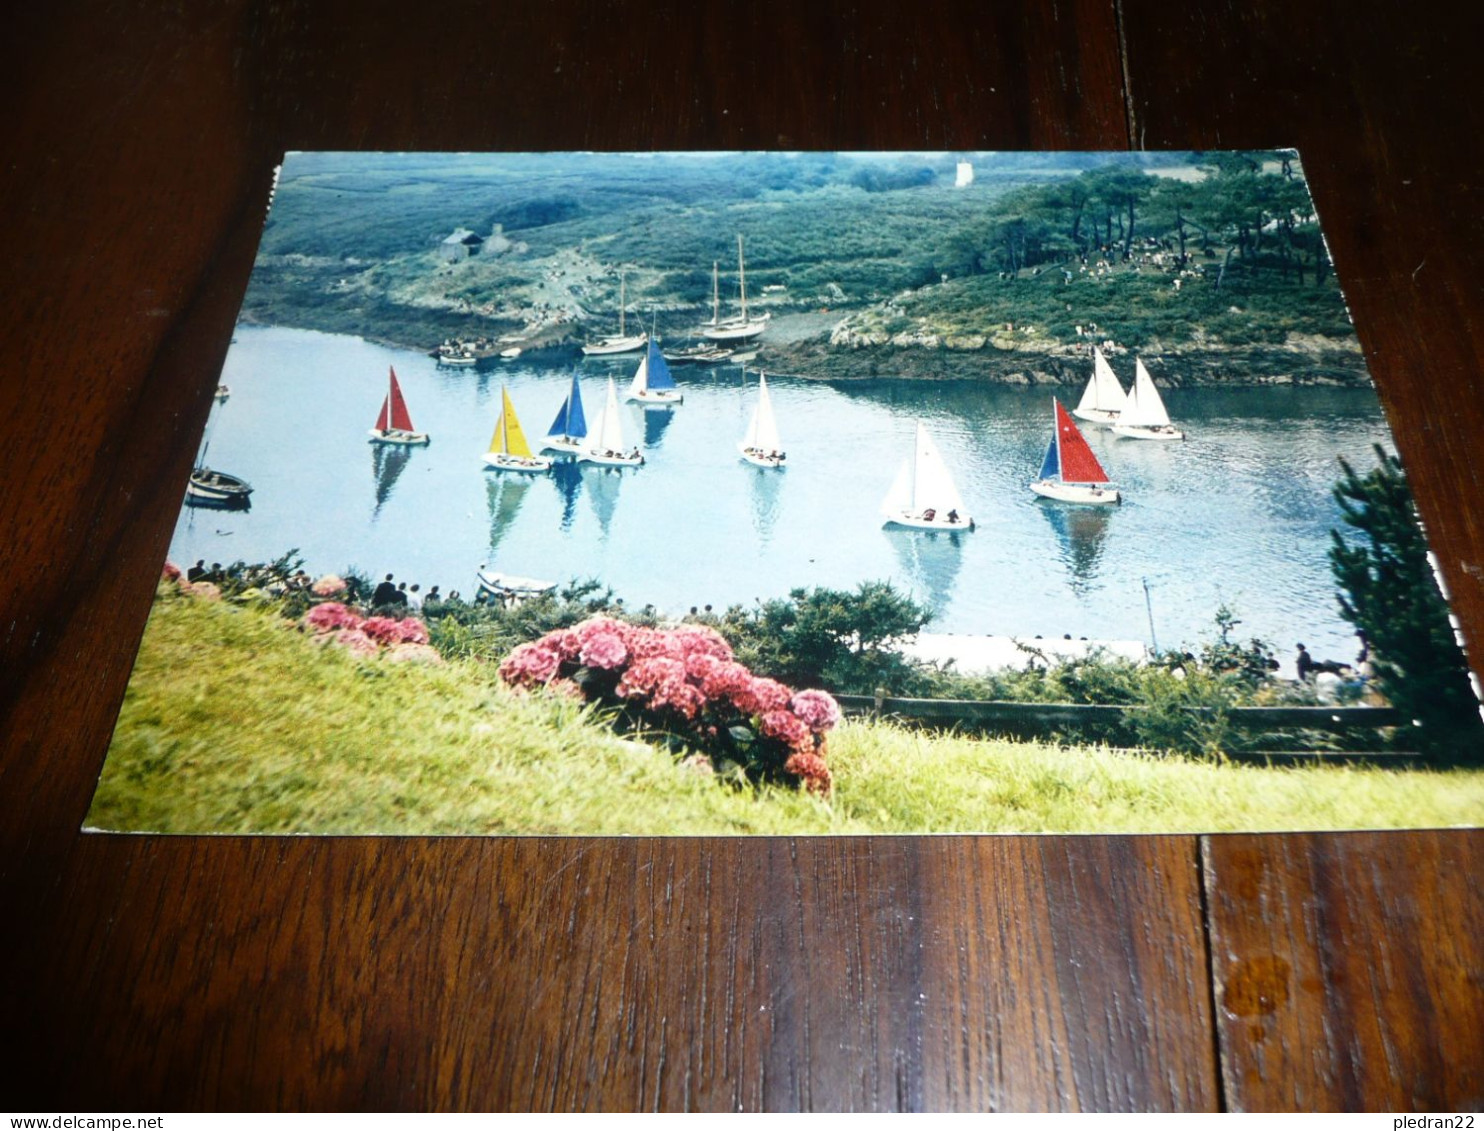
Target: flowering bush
{"type": "Point", "coordinates": [328, 586]}
{"type": "Point", "coordinates": [684, 683]}
{"type": "Point", "coordinates": [404, 639]}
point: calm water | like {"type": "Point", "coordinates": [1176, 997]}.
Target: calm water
{"type": "Point", "coordinates": [1239, 513]}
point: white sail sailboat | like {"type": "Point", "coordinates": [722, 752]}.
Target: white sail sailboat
{"type": "Point", "coordinates": [1104, 398]}
{"type": "Point", "coordinates": [741, 328]}
{"type": "Point", "coordinates": [923, 495]}
{"type": "Point", "coordinates": [1145, 417]}
{"type": "Point", "coordinates": [652, 384]}
{"type": "Point", "coordinates": [605, 443]}
{"type": "Point", "coordinates": [509, 450]}
{"type": "Point", "coordinates": [761, 445]}
{"type": "Point", "coordinates": [621, 342]}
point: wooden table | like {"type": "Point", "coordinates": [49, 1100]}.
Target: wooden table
{"type": "Point", "coordinates": [1245, 972]}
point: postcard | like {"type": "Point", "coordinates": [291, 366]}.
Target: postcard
{"type": "Point", "coordinates": [712, 493]}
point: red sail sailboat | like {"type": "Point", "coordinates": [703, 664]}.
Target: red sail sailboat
{"type": "Point", "coordinates": [1070, 472]}
{"type": "Point", "coordinates": [394, 425]}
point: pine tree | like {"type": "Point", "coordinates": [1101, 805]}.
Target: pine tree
{"type": "Point", "coordinates": [1388, 592]}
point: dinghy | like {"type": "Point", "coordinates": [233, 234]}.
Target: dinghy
{"type": "Point", "coordinates": [761, 446]}
{"type": "Point", "coordinates": [394, 425]}
{"type": "Point", "coordinates": [652, 384]}
{"type": "Point", "coordinates": [605, 444]}
{"type": "Point", "coordinates": [923, 495]}
{"type": "Point", "coordinates": [1070, 472]}
{"type": "Point", "coordinates": [208, 488]}
{"type": "Point", "coordinates": [1144, 417]}
{"type": "Point", "coordinates": [508, 587]}
{"type": "Point", "coordinates": [509, 450]}
{"type": "Point", "coordinates": [621, 342]}
{"type": "Point", "coordinates": [568, 432]}
{"type": "Point", "coordinates": [1104, 398]}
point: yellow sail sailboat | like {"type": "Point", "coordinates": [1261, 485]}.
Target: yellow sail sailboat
{"type": "Point", "coordinates": [509, 449]}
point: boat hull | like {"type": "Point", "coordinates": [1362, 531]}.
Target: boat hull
{"type": "Point", "coordinates": [917, 522]}
{"type": "Point", "coordinates": [606, 346]}
{"type": "Point", "coordinates": [609, 461]}
{"type": "Point", "coordinates": [508, 585]}
{"type": "Point", "coordinates": [1086, 493]}
{"type": "Point", "coordinates": [1139, 432]}
{"type": "Point", "coordinates": [207, 488]}
{"type": "Point", "coordinates": [759, 459]}
{"type": "Point", "coordinates": [700, 356]}
{"type": "Point", "coordinates": [1095, 415]}
{"type": "Point", "coordinates": [653, 399]}
{"type": "Point", "coordinates": [734, 332]}
{"type": "Point", "coordinates": [458, 362]}
{"type": "Point", "coordinates": [401, 439]}
{"type": "Point", "coordinates": [495, 461]}
{"type": "Point", "coordinates": [564, 444]}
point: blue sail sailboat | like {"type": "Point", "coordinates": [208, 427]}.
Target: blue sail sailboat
{"type": "Point", "coordinates": [653, 384]}
{"type": "Point", "coordinates": [568, 432]}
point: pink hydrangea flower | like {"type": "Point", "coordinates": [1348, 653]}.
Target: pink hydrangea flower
{"type": "Point", "coordinates": [818, 709]}
{"type": "Point", "coordinates": [701, 640]}
{"type": "Point", "coordinates": [699, 665]}
{"type": "Point", "coordinates": [530, 665]}
{"type": "Point", "coordinates": [410, 630]}
{"type": "Point", "coordinates": [604, 650]}
{"type": "Point", "coordinates": [206, 590]}
{"type": "Point", "coordinates": [648, 643]}
{"type": "Point", "coordinates": [356, 642]}
{"type": "Point", "coordinates": [566, 642]}
{"type": "Point", "coordinates": [726, 677]}
{"type": "Point", "coordinates": [330, 616]}
{"type": "Point", "coordinates": [679, 696]}
{"type": "Point", "coordinates": [759, 696]}
{"type": "Point", "coordinates": [644, 676]}
{"type": "Point", "coordinates": [171, 572]}
{"type": "Point", "coordinates": [328, 586]}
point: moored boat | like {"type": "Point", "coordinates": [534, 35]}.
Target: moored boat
{"type": "Point", "coordinates": [1070, 472]}
{"type": "Point", "coordinates": [622, 342]}
{"type": "Point", "coordinates": [924, 496]}
{"type": "Point", "coordinates": [740, 328]}
{"type": "Point", "coordinates": [209, 488]}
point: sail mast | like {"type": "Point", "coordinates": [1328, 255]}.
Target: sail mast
{"type": "Point", "coordinates": [715, 293]}
{"type": "Point", "coordinates": [620, 300]}
{"type": "Point", "coordinates": [742, 276]}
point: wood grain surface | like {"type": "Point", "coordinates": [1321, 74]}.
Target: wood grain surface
{"type": "Point", "coordinates": [987, 973]}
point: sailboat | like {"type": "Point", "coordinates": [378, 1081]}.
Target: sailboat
{"type": "Point", "coordinates": [621, 342]}
{"type": "Point", "coordinates": [1070, 472]}
{"type": "Point", "coordinates": [509, 450]}
{"type": "Point", "coordinates": [568, 432]}
{"type": "Point", "coordinates": [923, 495]}
{"type": "Point", "coordinates": [761, 446]}
{"type": "Point", "coordinates": [741, 328]}
{"type": "Point", "coordinates": [1144, 417]}
{"type": "Point", "coordinates": [652, 384]}
{"type": "Point", "coordinates": [394, 424]}
{"type": "Point", "coordinates": [1104, 398]}
{"type": "Point", "coordinates": [605, 444]}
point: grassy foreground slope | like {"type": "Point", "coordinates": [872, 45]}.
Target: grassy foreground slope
{"type": "Point", "coordinates": [235, 722]}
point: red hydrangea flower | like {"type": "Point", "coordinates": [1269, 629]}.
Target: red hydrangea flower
{"type": "Point", "coordinates": [383, 630]}
{"type": "Point", "coordinates": [644, 676]}
{"type": "Point", "coordinates": [699, 639]}
{"type": "Point", "coordinates": [604, 650]}
{"type": "Point", "coordinates": [787, 727]}
{"type": "Point", "coordinates": [649, 643]}
{"type": "Point", "coordinates": [810, 769]}
{"type": "Point", "coordinates": [759, 696]}
{"type": "Point", "coordinates": [171, 572]}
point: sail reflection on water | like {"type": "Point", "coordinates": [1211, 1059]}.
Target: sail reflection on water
{"type": "Point", "coordinates": [656, 422]}
{"type": "Point", "coordinates": [1080, 535]}
{"type": "Point", "coordinates": [603, 484]}
{"type": "Point", "coordinates": [567, 475]}
{"type": "Point", "coordinates": [930, 560]}
{"type": "Point", "coordinates": [504, 495]}
{"type": "Point", "coordinates": [765, 488]}
{"type": "Point", "coordinates": [387, 464]}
